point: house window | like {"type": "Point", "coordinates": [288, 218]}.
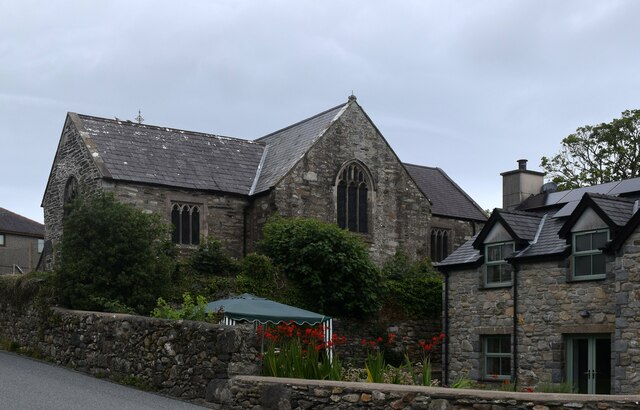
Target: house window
{"type": "Point", "coordinates": [185, 219]}
{"type": "Point", "coordinates": [496, 354]}
{"type": "Point", "coordinates": [588, 260]}
{"type": "Point", "coordinates": [352, 199]}
{"type": "Point", "coordinates": [40, 245]}
{"type": "Point", "coordinates": [497, 270]}
{"type": "Point", "coordinates": [2, 242]}
{"type": "Point", "coordinates": [439, 244]}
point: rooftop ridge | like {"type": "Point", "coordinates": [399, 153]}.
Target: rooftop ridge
{"type": "Point", "coordinates": [301, 122]}
{"type": "Point", "coordinates": [167, 129]}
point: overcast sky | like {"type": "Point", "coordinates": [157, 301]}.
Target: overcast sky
{"type": "Point", "coordinates": [467, 86]}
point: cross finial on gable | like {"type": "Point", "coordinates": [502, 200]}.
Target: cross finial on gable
{"type": "Point", "coordinates": [139, 118]}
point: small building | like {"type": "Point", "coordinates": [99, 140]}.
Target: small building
{"type": "Point", "coordinates": [549, 290]}
{"type": "Point", "coordinates": [21, 243]}
{"type": "Point", "coordinates": [334, 166]}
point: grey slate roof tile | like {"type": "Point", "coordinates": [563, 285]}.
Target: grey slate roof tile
{"type": "Point", "coordinates": [466, 253]}
{"type": "Point", "coordinates": [288, 145]}
{"type": "Point", "coordinates": [13, 223]}
{"type": "Point", "coordinates": [525, 225]}
{"type": "Point", "coordinates": [158, 155]}
{"type": "Point", "coordinates": [547, 242]}
{"type": "Point", "coordinates": [620, 210]}
{"type": "Point", "coordinates": [447, 198]}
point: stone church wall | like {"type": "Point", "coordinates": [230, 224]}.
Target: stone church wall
{"type": "Point", "coordinates": [72, 160]}
{"type": "Point", "coordinates": [400, 214]}
{"type": "Point", "coordinates": [223, 216]}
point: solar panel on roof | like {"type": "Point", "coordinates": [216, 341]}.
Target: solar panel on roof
{"type": "Point", "coordinates": [626, 186]}
{"type": "Point", "coordinates": [576, 194]}
{"type": "Point", "coordinates": [567, 209]}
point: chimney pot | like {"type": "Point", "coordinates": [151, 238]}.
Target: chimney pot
{"type": "Point", "coordinates": [522, 164]}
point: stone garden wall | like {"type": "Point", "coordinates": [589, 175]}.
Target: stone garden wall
{"type": "Point", "coordinates": [174, 357]}
{"type": "Point", "coordinates": [253, 392]}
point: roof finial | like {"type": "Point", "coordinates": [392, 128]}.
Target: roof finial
{"type": "Point", "coordinates": [139, 118]}
{"type": "Point", "coordinates": [352, 97]}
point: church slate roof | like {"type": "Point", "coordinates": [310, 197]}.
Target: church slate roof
{"type": "Point", "coordinates": [446, 197]}
{"type": "Point", "coordinates": [288, 145]}
{"type": "Point", "coordinates": [128, 151]}
{"type": "Point", "coordinates": [17, 224]}
{"type": "Point", "coordinates": [165, 156]}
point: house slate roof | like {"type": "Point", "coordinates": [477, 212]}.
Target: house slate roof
{"type": "Point", "coordinates": [446, 197]}
{"type": "Point", "coordinates": [465, 254]}
{"type": "Point", "coordinates": [142, 153]}
{"type": "Point", "coordinates": [17, 224]}
{"type": "Point", "coordinates": [545, 234]}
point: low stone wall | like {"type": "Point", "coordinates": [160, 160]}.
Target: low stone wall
{"type": "Point", "coordinates": [248, 392]}
{"type": "Point", "coordinates": [174, 357]}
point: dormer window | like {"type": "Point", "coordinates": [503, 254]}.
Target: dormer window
{"type": "Point", "coordinates": [588, 260]}
{"type": "Point", "coordinates": [497, 271]}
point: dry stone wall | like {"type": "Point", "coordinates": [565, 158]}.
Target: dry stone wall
{"type": "Point", "coordinates": [178, 358]}
{"type": "Point", "coordinates": [251, 392]}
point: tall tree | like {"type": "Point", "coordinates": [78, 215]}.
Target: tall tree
{"type": "Point", "coordinates": [598, 154]}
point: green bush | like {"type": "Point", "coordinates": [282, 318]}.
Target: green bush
{"type": "Point", "coordinates": [260, 277]}
{"type": "Point", "coordinates": [189, 310]}
{"type": "Point", "coordinates": [212, 259]}
{"type": "Point", "coordinates": [413, 288]}
{"type": "Point", "coordinates": [330, 265]}
{"type": "Point", "coordinates": [112, 255]}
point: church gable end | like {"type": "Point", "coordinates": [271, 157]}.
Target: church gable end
{"type": "Point", "coordinates": [352, 160]}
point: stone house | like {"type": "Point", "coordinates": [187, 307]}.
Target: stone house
{"type": "Point", "coordinates": [335, 166]}
{"type": "Point", "coordinates": [21, 243]}
{"type": "Point", "coordinates": [549, 290]}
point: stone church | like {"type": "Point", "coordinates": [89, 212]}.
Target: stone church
{"type": "Point", "coordinates": [335, 166]}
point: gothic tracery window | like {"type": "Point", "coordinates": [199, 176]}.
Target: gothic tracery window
{"type": "Point", "coordinates": [439, 244]}
{"type": "Point", "coordinates": [185, 219]}
{"type": "Point", "coordinates": [352, 199]}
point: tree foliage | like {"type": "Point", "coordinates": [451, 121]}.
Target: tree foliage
{"type": "Point", "coordinates": [112, 256]}
{"type": "Point", "coordinates": [330, 265]}
{"type": "Point", "coordinates": [598, 154]}
{"type": "Point", "coordinates": [412, 288]}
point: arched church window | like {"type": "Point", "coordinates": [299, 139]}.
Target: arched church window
{"type": "Point", "coordinates": [439, 244]}
{"type": "Point", "coordinates": [352, 198]}
{"type": "Point", "coordinates": [185, 219]}
{"type": "Point", "coordinates": [70, 194]}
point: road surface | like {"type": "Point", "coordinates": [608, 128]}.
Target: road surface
{"type": "Point", "coordinates": [27, 384]}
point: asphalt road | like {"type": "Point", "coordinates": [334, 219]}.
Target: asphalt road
{"type": "Point", "coordinates": [30, 384]}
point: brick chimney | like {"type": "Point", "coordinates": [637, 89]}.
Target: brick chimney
{"type": "Point", "coordinates": [520, 184]}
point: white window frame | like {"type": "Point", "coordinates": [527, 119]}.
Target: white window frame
{"type": "Point", "coordinates": [591, 252]}
{"type": "Point", "coordinates": [3, 240]}
{"type": "Point", "coordinates": [502, 263]}
{"type": "Point", "coordinates": [40, 245]}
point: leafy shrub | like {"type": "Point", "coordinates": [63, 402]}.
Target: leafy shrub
{"type": "Point", "coordinates": [112, 254]}
{"type": "Point", "coordinates": [189, 310]}
{"type": "Point", "coordinates": [212, 259]}
{"type": "Point", "coordinates": [330, 265]}
{"type": "Point", "coordinates": [413, 288]}
{"type": "Point", "coordinates": [260, 277]}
